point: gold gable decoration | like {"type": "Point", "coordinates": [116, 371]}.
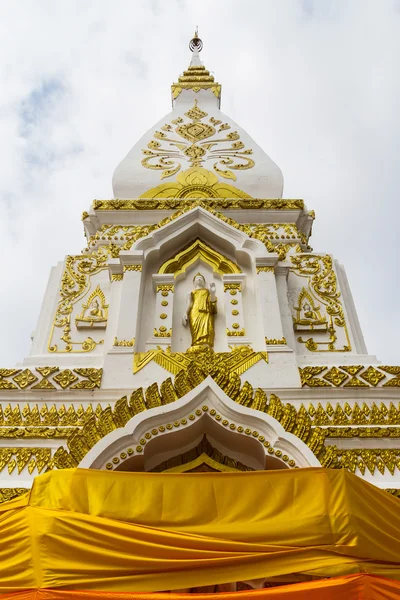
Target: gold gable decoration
{"type": "Point", "coordinates": [199, 251]}
{"type": "Point", "coordinates": [195, 182]}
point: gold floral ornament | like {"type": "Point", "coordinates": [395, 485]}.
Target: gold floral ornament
{"type": "Point", "coordinates": [195, 182]}
{"type": "Point", "coordinates": [322, 285]}
{"type": "Point", "coordinates": [75, 283]}
{"type": "Point", "coordinates": [196, 142]}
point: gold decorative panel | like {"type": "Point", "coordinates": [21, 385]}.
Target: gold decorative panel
{"type": "Point", "coordinates": [350, 376]}
{"type": "Point", "coordinates": [195, 141]}
{"type": "Point", "coordinates": [322, 285]}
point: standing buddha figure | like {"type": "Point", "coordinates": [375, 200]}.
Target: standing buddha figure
{"type": "Point", "coordinates": [201, 306]}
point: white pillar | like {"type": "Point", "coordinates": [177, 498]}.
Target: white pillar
{"type": "Point", "coordinates": [273, 330]}
{"type": "Point", "coordinates": [129, 308]}
{"type": "Point", "coordinates": [162, 332]}
{"type": "Point", "coordinates": [282, 272]}
{"type": "Point", "coordinates": [116, 274]}
{"type": "Point", "coordinates": [234, 315]}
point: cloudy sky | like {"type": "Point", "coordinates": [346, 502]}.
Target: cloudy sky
{"type": "Point", "coordinates": [314, 82]}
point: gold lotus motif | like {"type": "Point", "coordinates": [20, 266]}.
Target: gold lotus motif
{"type": "Point", "coordinates": [195, 182]}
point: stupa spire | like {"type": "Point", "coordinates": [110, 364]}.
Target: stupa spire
{"type": "Point", "coordinates": [196, 77]}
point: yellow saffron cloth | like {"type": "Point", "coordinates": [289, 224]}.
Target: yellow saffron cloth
{"type": "Point", "coordinates": [349, 587]}
{"type": "Point", "coordinates": [96, 530]}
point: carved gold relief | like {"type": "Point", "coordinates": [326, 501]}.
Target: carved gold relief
{"type": "Point", "coordinates": [322, 284]}
{"type": "Point", "coordinates": [203, 453]}
{"type": "Point", "coordinates": [196, 78]}
{"type": "Point", "coordinates": [358, 414]}
{"type": "Point", "coordinates": [138, 232]}
{"type": "Point", "coordinates": [275, 342]}
{"type": "Point", "coordinates": [87, 426]}
{"type": "Point", "coordinates": [190, 142]}
{"type": "Point", "coordinates": [221, 201]}
{"type": "Point", "coordinates": [238, 361]}
{"type": "Point", "coordinates": [94, 311]}
{"type": "Point", "coordinates": [165, 288]}
{"type": "Point", "coordinates": [236, 332]}
{"type": "Point", "coordinates": [124, 343]}
{"type": "Point", "coordinates": [14, 379]}
{"type": "Point", "coordinates": [7, 494]}
{"type": "Point", "coordinates": [265, 269]}
{"type": "Point", "coordinates": [199, 251]}
{"type": "Point", "coordinates": [162, 332]}
{"type": "Point", "coordinates": [348, 376]}
{"type": "Point", "coordinates": [195, 182]}
{"type": "Point", "coordinates": [75, 283]}
{"type": "Point", "coordinates": [232, 287]}
{"type": "Point", "coordinates": [308, 316]}
{"type": "Point", "coordinates": [371, 459]}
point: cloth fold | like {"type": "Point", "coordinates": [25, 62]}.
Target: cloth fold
{"type": "Point", "coordinates": [95, 530]}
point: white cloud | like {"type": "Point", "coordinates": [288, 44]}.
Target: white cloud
{"type": "Point", "coordinates": [314, 82]}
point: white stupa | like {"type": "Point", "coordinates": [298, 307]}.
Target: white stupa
{"type": "Point", "coordinates": [281, 377]}
{"type": "Point", "coordinates": [225, 148]}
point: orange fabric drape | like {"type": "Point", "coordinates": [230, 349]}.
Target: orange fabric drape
{"type": "Point", "coordinates": [350, 587]}
{"type": "Point", "coordinates": [86, 529]}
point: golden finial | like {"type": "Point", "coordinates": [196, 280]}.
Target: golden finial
{"type": "Point", "coordinates": [196, 43]}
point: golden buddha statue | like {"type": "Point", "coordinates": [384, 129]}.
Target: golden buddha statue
{"type": "Point", "coordinates": [201, 306]}
{"type": "Point", "coordinates": [95, 311]}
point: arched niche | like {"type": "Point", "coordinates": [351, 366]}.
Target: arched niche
{"type": "Point", "coordinates": [253, 438]}
{"type": "Point", "coordinates": [215, 246]}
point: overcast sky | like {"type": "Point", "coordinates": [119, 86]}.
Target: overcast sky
{"type": "Point", "coordinates": [314, 82]}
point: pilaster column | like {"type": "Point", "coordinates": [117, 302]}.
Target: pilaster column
{"type": "Point", "coordinates": [271, 315]}
{"type": "Point", "coordinates": [164, 288]}
{"type": "Point", "coordinates": [282, 272]}
{"type": "Point", "coordinates": [234, 315]}
{"type": "Point", "coordinates": [129, 311]}
{"type": "Point", "coordinates": [116, 274]}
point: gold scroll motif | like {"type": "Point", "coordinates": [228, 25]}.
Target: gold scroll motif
{"type": "Point", "coordinates": [50, 378]}
{"type": "Point", "coordinates": [308, 316]}
{"type": "Point", "coordinates": [75, 283]}
{"type": "Point", "coordinates": [167, 202]}
{"type": "Point", "coordinates": [94, 311]}
{"type": "Point", "coordinates": [350, 376]}
{"type": "Point", "coordinates": [322, 285]}
{"type": "Point", "coordinates": [198, 250]}
{"type": "Point", "coordinates": [194, 141]}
